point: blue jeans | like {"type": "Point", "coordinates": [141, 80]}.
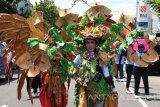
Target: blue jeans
{"type": "Point", "coordinates": [121, 72]}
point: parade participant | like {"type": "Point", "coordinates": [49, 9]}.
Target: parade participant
{"type": "Point", "coordinates": [44, 98]}
{"type": "Point", "coordinates": [119, 59]}
{"type": "Point", "coordinates": [157, 49]}
{"type": "Point", "coordinates": [116, 58]}
{"type": "Point", "coordinates": [53, 91]}
{"type": "Point", "coordinates": [141, 54]}
{"type": "Point", "coordinates": [98, 81]}
{"type": "Point", "coordinates": [139, 72]}
{"type": "Point", "coordinates": [121, 63]}
{"type": "Point", "coordinates": [36, 83]}
{"type": "Point", "coordinates": [129, 70]}
{"type": "Point", "coordinates": [93, 73]}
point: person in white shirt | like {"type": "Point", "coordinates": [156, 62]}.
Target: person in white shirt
{"type": "Point", "coordinates": [101, 71]}
{"type": "Point", "coordinates": [141, 72]}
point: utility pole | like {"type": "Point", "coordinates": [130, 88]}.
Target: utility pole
{"type": "Point", "coordinates": [151, 22]}
{"type": "Point", "coordinates": [137, 13]}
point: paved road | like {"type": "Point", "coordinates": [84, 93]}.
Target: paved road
{"type": "Point", "coordinates": [8, 95]}
{"type": "Point", "coordinates": [128, 100]}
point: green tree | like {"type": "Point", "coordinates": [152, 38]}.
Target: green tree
{"type": "Point", "coordinates": [155, 4]}
{"type": "Point", "coordinates": [49, 10]}
{"type": "Point", "coordinates": [23, 8]}
{"type": "Point", "coordinates": [8, 6]}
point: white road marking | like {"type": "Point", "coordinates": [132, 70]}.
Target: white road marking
{"type": "Point", "coordinates": [5, 105]}
{"type": "Point", "coordinates": [139, 99]}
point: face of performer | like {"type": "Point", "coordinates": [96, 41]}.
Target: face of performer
{"type": "Point", "coordinates": [90, 45]}
{"type": "Point", "coordinates": [141, 48]}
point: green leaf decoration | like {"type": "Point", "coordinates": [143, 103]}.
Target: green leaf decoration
{"type": "Point", "coordinates": [78, 40]}
{"type": "Point", "coordinates": [61, 44]}
{"type": "Point", "coordinates": [68, 47]}
{"type": "Point", "coordinates": [63, 70]}
{"type": "Point", "coordinates": [80, 49]}
{"type": "Point", "coordinates": [110, 67]}
{"type": "Point", "coordinates": [71, 27]}
{"type": "Point", "coordinates": [83, 21]}
{"type": "Point", "coordinates": [52, 51]}
{"type": "Point", "coordinates": [72, 68]}
{"type": "Point", "coordinates": [136, 33]}
{"type": "Point", "coordinates": [76, 95]}
{"type": "Point", "coordinates": [64, 77]}
{"type": "Point", "coordinates": [130, 40]}
{"type": "Point", "coordinates": [93, 69]}
{"type": "Point", "coordinates": [70, 31]}
{"type": "Point", "coordinates": [117, 27]}
{"type": "Point", "coordinates": [33, 42]}
{"type": "Point", "coordinates": [64, 66]}
{"type": "Point", "coordinates": [113, 36]}
{"type": "Point", "coordinates": [102, 89]}
{"type": "Point", "coordinates": [98, 20]}
{"type": "Point", "coordinates": [122, 45]}
{"type": "Point", "coordinates": [55, 33]}
{"type": "Point", "coordinates": [106, 46]}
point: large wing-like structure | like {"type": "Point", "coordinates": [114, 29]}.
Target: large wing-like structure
{"type": "Point", "coordinates": [17, 30]}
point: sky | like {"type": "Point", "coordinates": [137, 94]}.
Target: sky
{"type": "Point", "coordinates": [113, 5]}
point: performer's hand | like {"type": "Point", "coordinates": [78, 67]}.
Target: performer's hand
{"type": "Point", "coordinates": [79, 81]}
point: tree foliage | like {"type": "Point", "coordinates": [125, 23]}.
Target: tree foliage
{"type": "Point", "coordinates": [23, 8]}
{"type": "Point", "coordinates": [8, 6]}
{"type": "Point", "coordinates": [49, 11]}
{"type": "Point", "coordinates": [155, 4]}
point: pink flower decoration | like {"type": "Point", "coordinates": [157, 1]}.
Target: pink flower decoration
{"type": "Point", "coordinates": [116, 44]}
{"type": "Point", "coordinates": [140, 41]}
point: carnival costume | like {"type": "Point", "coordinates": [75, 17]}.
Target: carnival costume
{"type": "Point", "coordinates": [52, 52]}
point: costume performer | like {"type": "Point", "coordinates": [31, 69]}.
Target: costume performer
{"type": "Point", "coordinates": [52, 52]}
